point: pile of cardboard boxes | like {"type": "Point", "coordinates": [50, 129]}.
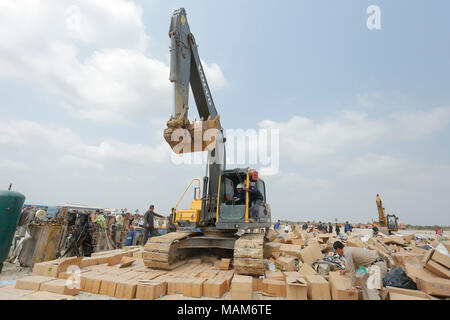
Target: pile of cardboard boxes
{"type": "Point", "coordinates": [289, 273]}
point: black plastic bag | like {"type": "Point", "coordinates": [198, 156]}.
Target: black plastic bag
{"type": "Point", "coordinates": [399, 279]}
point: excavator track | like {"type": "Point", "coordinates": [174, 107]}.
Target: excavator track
{"type": "Point", "coordinates": [162, 252]}
{"type": "Point", "coordinates": [248, 254]}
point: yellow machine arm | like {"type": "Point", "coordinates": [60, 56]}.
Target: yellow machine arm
{"type": "Point", "coordinates": [381, 216]}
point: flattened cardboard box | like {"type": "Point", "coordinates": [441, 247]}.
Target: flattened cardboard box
{"type": "Point", "coordinates": [406, 294]}
{"type": "Point", "coordinates": [242, 288]}
{"type": "Point", "coordinates": [296, 289]}
{"type": "Point", "coordinates": [32, 282]}
{"type": "Point", "coordinates": [60, 286]}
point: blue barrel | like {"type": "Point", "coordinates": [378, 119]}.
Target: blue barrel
{"type": "Point", "coordinates": [129, 240]}
{"type": "Point", "coordinates": [11, 204]}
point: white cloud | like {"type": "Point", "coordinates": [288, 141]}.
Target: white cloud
{"type": "Point", "coordinates": [91, 55]}
{"type": "Point", "coordinates": [420, 124]}
{"type": "Point", "coordinates": [305, 140]}
{"type": "Point", "coordinates": [12, 165]}
{"type": "Point", "coordinates": [376, 165]}
{"type": "Point", "coordinates": [214, 75]}
{"type": "Point", "coordinates": [73, 150]}
{"type": "Point", "coordinates": [369, 100]}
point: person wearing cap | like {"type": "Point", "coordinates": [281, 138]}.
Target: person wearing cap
{"type": "Point", "coordinates": [239, 195]}
{"type": "Point", "coordinates": [148, 223]}
{"type": "Point", "coordinates": [359, 257]}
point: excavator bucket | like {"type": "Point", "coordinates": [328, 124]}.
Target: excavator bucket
{"type": "Point", "coordinates": [186, 137]}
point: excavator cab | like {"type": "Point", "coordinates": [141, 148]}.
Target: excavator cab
{"type": "Point", "coordinates": [392, 223]}
{"type": "Point", "coordinates": [234, 215]}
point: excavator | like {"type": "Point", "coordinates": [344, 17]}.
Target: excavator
{"type": "Point", "coordinates": [386, 223]}
{"type": "Point", "coordinates": [216, 220]}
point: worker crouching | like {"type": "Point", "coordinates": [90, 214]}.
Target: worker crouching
{"type": "Point", "coordinates": [372, 281]}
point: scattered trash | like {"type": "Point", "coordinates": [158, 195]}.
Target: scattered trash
{"type": "Point", "coordinates": [399, 279]}
{"type": "Point", "coordinates": [442, 249]}
{"type": "Point", "coordinates": [361, 270]}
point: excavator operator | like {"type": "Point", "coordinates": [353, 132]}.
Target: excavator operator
{"type": "Point", "coordinates": [239, 195]}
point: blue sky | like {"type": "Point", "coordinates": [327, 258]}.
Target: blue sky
{"type": "Point", "coordinates": [360, 111]}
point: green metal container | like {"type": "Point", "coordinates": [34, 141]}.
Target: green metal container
{"type": "Point", "coordinates": [11, 204]}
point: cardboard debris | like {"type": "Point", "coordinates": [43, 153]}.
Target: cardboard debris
{"type": "Point", "coordinates": [126, 262]}
{"type": "Point", "coordinates": [274, 288]}
{"type": "Point", "coordinates": [257, 284]}
{"type": "Point", "coordinates": [318, 288]}
{"type": "Point", "coordinates": [438, 269]}
{"type": "Point", "coordinates": [45, 295]}
{"type": "Point", "coordinates": [32, 282]}
{"type": "Point", "coordinates": [214, 288]}
{"type": "Point", "coordinates": [242, 288]}
{"type": "Point", "coordinates": [275, 275]}
{"type": "Point", "coordinates": [310, 254]}
{"type": "Point", "coordinates": [150, 289]}
{"type": "Point", "coordinates": [290, 250]}
{"type": "Point", "coordinates": [53, 268]}
{"type": "Point", "coordinates": [193, 287]}
{"type": "Point", "coordinates": [286, 263]}
{"type": "Point", "coordinates": [305, 269]}
{"type": "Point", "coordinates": [441, 258]}
{"type": "Point", "coordinates": [434, 286]}
{"type": "Point", "coordinates": [296, 289]}
{"type": "Point", "coordinates": [225, 264]}
{"type": "Point", "coordinates": [406, 294]}
{"type": "Point", "coordinates": [60, 286]}
{"type": "Point", "coordinates": [354, 242]}
{"type": "Point", "coordinates": [339, 285]}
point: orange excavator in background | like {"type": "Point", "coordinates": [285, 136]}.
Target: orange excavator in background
{"type": "Point", "coordinates": [386, 223]}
